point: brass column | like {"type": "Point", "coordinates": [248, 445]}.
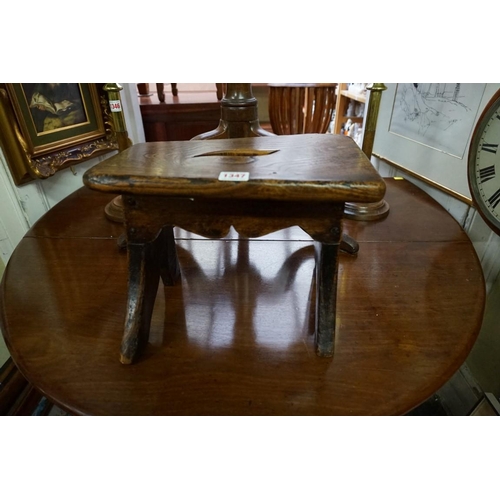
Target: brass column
{"type": "Point", "coordinates": [114, 209]}
{"type": "Point", "coordinates": [378, 210]}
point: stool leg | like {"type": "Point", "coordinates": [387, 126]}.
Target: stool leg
{"type": "Point", "coordinates": [143, 280]}
{"type": "Point", "coordinates": [167, 255]}
{"type": "Point", "coordinates": [326, 297]}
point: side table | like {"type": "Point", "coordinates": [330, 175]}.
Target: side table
{"type": "Point", "coordinates": [236, 335]}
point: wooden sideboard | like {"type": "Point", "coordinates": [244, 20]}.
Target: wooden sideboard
{"type": "Point", "coordinates": [181, 117]}
{"type": "Point", "coordinates": [190, 113]}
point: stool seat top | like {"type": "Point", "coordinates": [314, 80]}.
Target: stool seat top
{"type": "Point", "coordinates": [307, 167]}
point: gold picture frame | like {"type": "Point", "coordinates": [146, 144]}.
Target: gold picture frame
{"type": "Point", "coordinates": [45, 128]}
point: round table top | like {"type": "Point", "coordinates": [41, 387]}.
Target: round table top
{"type": "Point", "coordinates": [235, 335]}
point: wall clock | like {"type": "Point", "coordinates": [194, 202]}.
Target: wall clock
{"type": "Point", "coordinates": [484, 164]}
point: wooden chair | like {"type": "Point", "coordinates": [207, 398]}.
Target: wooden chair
{"type": "Point", "coordinates": [143, 89]}
{"type": "Point", "coordinates": [161, 94]}
{"type": "Point", "coordinates": [160, 90]}
{"type": "Point", "coordinates": [221, 90]}
{"type": "Point", "coordinates": [301, 108]}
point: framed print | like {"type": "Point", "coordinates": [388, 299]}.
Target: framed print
{"type": "Point", "coordinates": [45, 127]}
{"type": "Point", "coordinates": [424, 130]}
{"type": "Point", "coordinates": [437, 115]}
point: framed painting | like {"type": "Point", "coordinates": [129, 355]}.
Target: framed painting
{"type": "Point", "coordinates": [45, 127]}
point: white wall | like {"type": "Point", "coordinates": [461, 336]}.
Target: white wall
{"type": "Point", "coordinates": [22, 206]}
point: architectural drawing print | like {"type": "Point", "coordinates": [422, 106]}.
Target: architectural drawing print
{"type": "Point", "coordinates": [438, 115]}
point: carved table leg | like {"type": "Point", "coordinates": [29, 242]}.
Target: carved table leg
{"type": "Point", "coordinates": [146, 262]}
{"type": "Point", "coordinates": [349, 245]}
{"type": "Point", "coordinates": [160, 90]}
{"type": "Point", "coordinates": [326, 297]}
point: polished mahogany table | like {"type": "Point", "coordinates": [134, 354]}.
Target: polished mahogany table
{"type": "Point", "coordinates": [235, 335]}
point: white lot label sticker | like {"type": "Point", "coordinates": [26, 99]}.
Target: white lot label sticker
{"type": "Point", "coordinates": [115, 106]}
{"type": "Point", "coordinates": [234, 176]}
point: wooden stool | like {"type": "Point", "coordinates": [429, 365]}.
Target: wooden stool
{"type": "Point", "coordinates": [257, 185]}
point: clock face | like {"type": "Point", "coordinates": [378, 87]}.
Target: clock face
{"type": "Point", "coordinates": [484, 164]}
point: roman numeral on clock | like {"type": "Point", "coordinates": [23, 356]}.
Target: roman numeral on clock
{"type": "Point", "coordinates": [494, 200]}
{"type": "Point", "coordinates": [487, 173]}
{"type": "Point", "coordinates": [491, 148]}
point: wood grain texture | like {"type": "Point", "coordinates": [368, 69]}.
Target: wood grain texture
{"type": "Point", "coordinates": [306, 167]}
{"type": "Point", "coordinates": [235, 335]}
{"type": "Point", "coordinates": [213, 218]}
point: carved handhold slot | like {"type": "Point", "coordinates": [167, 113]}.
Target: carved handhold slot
{"type": "Point", "coordinates": [239, 152]}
